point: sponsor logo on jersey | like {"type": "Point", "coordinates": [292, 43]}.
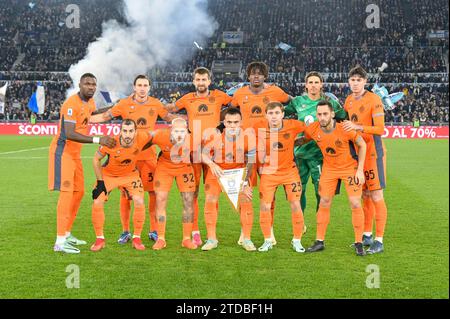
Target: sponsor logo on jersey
{"type": "Point", "coordinates": [141, 121]}
{"type": "Point", "coordinates": [203, 108]}
{"type": "Point", "coordinates": [256, 109]}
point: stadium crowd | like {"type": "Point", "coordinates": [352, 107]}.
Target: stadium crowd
{"type": "Point", "coordinates": [37, 44]}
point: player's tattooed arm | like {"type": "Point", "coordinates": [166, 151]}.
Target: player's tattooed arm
{"type": "Point", "coordinates": [208, 160]}
{"type": "Point", "coordinates": [170, 116]}
{"type": "Point", "coordinates": [171, 107]}
{"type": "Point", "coordinates": [72, 135]}
{"type": "Point", "coordinates": [359, 176]}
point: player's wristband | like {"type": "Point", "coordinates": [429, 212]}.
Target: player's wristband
{"type": "Point", "coordinates": [96, 140]}
{"type": "Point", "coordinates": [245, 183]}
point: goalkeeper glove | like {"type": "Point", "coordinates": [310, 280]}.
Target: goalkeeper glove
{"type": "Point", "coordinates": [99, 188]}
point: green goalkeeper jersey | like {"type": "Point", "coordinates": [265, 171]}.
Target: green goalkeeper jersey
{"type": "Point", "coordinates": [305, 110]}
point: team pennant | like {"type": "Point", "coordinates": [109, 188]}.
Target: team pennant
{"type": "Point", "coordinates": [231, 182]}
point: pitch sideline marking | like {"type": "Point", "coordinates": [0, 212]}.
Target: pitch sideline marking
{"type": "Point", "coordinates": [25, 150]}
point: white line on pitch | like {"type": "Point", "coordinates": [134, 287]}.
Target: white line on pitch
{"type": "Point", "coordinates": [25, 150]}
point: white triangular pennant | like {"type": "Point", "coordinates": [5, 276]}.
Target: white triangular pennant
{"type": "Point", "coordinates": [231, 182]}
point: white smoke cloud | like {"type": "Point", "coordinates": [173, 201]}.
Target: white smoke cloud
{"type": "Point", "coordinates": [154, 36]}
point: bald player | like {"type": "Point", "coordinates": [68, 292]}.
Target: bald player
{"type": "Point", "coordinates": [65, 169]}
{"type": "Point", "coordinates": [203, 108]}
{"type": "Point", "coordinates": [174, 162]}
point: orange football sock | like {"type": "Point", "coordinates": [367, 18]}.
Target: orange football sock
{"type": "Point", "coordinates": [247, 219]}
{"type": "Point", "coordinates": [380, 217]}
{"type": "Point", "coordinates": [125, 209]}
{"type": "Point", "coordinates": [75, 205]}
{"type": "Point", "coordinates": [138, 219]}
{"type": "Point", "coordinates": [152, 211]}
{"type": "Point", "coordinates": [264, 222]}
{"type": "Point", "coordinates": [62, 212]}
{"type": "Point", "coordinates": [358, 223]}
{"type": "Point", "coordinates": [369, 213]}
{"type": "Point", "coordinates": [323, 219]}
{"type": "Point", "coordinates": [195, 223]}
{"type": "Point", "coordinates": [210, 219]}
{"type": "Point", "coordinates": [98, 218]}
{"type": "Point", "coordinates": [297, 224]}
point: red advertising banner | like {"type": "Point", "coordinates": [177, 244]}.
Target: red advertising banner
{"type": "Point", "coordinates": [422, 132]}
{"type": "Point", "coordinates": [42, 129]}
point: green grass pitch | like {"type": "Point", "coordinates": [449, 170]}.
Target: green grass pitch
{"type": "Point", "coordinates": [414, 265]}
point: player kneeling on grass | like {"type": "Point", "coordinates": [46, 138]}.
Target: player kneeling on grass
{"type": "Point", "coordinates": [230, 150]}
{"type": "Point", "coordinates": [340, 163]}
{"type": "Point", "coordinates": [276, 137]}
{"type": "Point", "coordinates": [119, 171]}
{"type": "Point", "coordinates": [174, 162]}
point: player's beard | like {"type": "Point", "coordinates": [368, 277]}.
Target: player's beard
{"type": "Point", "coordinates": [326, 123]}
{"type": "Point", "coordinates": [127, 141]}
{"type": "Point", "coordinates": [201, 89]}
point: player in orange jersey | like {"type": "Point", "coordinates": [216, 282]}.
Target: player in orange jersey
{"type": "Point", "coordinates": [366, 114]}
{"type": "Point", "coordinates": [144, 110]}
{"type": "Point", "coordinates": [339, 164]}
{"type": "Point", "coordinates": [65, 170]}
{"type": "Point", "coordinates": [203, 108]}
{"type": "Point", "coordinates": [252, 100]}
{"type": "Point", "coordinates": [276, 138]}
{"type": "Point", "coordinates": [174, 162]}
{"type": "Point", "coordinates": [119, 171]}
{"type": "Point", "coordinates": [231, 149]}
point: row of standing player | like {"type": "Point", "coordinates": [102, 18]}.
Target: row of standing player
{"type": "Point", "coordinates": [66, 175]}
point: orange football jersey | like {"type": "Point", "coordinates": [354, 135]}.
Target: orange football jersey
{"type": "Point", "coordinates": [76, 111]}
{"type": "Point", "coordinates": [253, 106]}
{"type": "Point", "coordinates": [277, 145]}
{"type": "Point", "coordinates": [204, 112]}
{"type": "Point", "coordinates": [144, 114]}
{"type": "Point", "coordinates": [338, 147]}
{"type": "Point", "coordinates": [121, 160]}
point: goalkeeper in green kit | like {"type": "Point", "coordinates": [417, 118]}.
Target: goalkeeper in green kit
{"type": "Point", "coordinates": [308, 157]}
